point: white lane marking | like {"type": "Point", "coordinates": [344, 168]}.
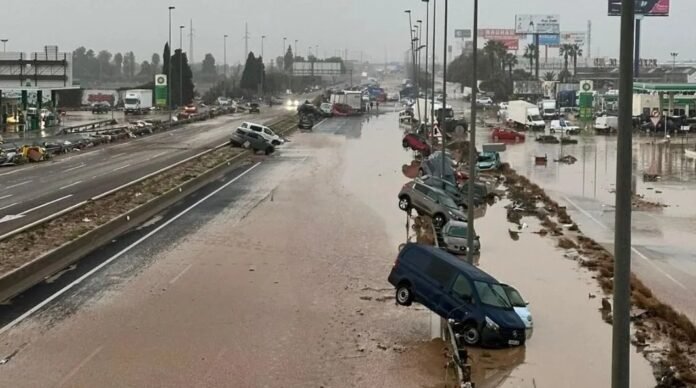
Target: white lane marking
{"type": "Point", "coordinates": [157, 155]}
{"type": "Point", "coordinates": [633, 249]}
{"type": "Point", "coordinates": [188, 267]}
{"type": "Point", "coordinates": [121, 168]}
{"type": "Point", "coordinates": [5, 196]}
{"type": "Point", "coordinates": [79, 366]}
{"type": "Point", "coordinates": [660, 270]}
{"type": "Point", "coordinates": [19, 184]}
{"type": "Point", "coordinates": [583, 211]}
{"type": "Point", "coordinates": [5, 207]}
{"type": "Point", "coordinates": [45, 204]}
{"type": "Point", "coordinates": [119, 254]}
{"type": "Point", "coordinates": [70, 185]}
{"type": "Point", "coordinates": [75, 168]}
{"type": "Point", "coordinates": [8, 173]}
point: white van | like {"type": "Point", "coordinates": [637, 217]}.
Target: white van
{"type": "Point", "coordinates": [606, 124]}
{"type": "Point", "coordinates": [265, 132]}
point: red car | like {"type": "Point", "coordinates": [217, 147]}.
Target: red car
{"type": "Point", "coordinates": [417, 143]}
{"type": "Point", "coordinates": [507, 134]}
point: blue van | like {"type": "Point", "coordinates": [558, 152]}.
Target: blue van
{"type": "Point", "coordinates": [456, 290]}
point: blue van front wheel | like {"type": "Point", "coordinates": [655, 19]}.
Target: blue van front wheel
{"type": "Point", "coordinates": [470, 334]}
{"type": "Point", "coordinates": [404, 296]}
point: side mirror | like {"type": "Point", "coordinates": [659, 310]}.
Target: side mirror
{"type": "Point", "coordinates": [526, 303]}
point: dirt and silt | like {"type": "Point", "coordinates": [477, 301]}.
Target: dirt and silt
{"type": "Point", "coordinates": [295, 293]}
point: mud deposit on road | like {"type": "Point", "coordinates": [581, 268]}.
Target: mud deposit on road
{"type": "Point", "coordinates": [666, 338]}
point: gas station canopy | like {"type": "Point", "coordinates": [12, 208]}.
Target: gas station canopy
{"type": "Point", "coordinates": [643, 87]}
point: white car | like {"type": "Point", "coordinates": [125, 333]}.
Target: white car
{"type": "Point", "coordinates": [521, 308]}
{"type": "Point", "coordinates": [484, 101]}
{"type": "Point", "coordinates": [564, 127]}
{"type": "Point", "coordinates": [503, 106]}
{"type": "Point", "coordinates": [265, 132]}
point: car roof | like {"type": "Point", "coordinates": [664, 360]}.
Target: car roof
{"type": "Point", "coordinates": [435, 189]}
{"type": "Point", "coordinates": [469, 270]}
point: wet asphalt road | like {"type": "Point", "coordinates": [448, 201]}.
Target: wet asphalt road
{"type": "Point", "coordinates": [272, 276]}
{"type": "Point", "coordinates": [33, 192]}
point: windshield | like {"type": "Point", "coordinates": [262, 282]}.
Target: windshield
{"type": "Point", "coordinates": [448, 202]}
{"type": "Point", "coordinates": [492, 295]}
{"type": "Point", "coordinates": [458, 231]}
{"type": "Point", "coordinates": [486, 158]}
{"type": "Point", "coordinates": [535, 118]}
{"type": "Point", "coordinates": [132, 101]}
{"type": "Point", "coordinates": [515, 297]}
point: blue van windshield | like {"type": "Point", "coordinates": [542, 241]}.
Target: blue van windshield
{"type": "Point", "coordinates": [492, 294]}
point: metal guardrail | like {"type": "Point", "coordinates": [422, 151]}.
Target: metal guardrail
{"type": "Point", "coordinates": [88, 126]}
{"type": "Point", "coordinates": [35, 271]}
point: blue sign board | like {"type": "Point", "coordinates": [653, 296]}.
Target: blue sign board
{"type": "Point", "coordinates": [549, 40]}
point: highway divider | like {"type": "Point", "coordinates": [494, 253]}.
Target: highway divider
{"type": "Point", "coordinates": [36, 270]}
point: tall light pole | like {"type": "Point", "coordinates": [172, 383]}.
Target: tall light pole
{"type": "Point", "coordinates": [263, 37]}
{"type": "Point", "coordinates": [181, 65]}
{"type": "Point", "coordinates": [316, 51]}
{"type": "Point", "coordinates": [674, 59]}
{"type": "Point", "coordinates": [621, 327]}
{"type": "Point", "coordinates": [420, 42]}
{"type": "Point", "coordinates": [169, 61]}
{"type": "Point", "coordinates": [224, 68]}
{"type": "Point", "coordinates": [472, 144]}
{"type": "Point", "coordinates": [444, 103]}
{"type": "Point", "coordinates": [427, 46]}
{"type": "Point", "coordinates": [432, 103]}
{"type": "Point", "coordinates": [283, 54]}
{"type": "Point", "coordinates": [413, 59]}
{"type": "Point", "coordinates": [4, 44]}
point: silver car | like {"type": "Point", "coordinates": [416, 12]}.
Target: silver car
{"type": "Point", "coordinates": [455, 235]}
{"type": "Point", "coordinates": [429, 201]}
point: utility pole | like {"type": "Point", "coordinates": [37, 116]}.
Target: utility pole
{"type": "Point", "coordinates": [190, 55]}
{"type": "Point", "coordinates": [427, 47]}
{"type": "Point", "coordinates": [413, 59]}
{"type": "Point", "coordinates": [169, 69]}
{"type": "Point", "coordinates": [181, 65]}
{"type": "Point", "coordinates": [224, 50]}
{"type": "Point", "coordinates": [246, 41]}
{"type": "Point", "coordinates": [621, 326]}
{"type": "Point", "coordinates": [432, 103]}
{"type": "Point", "coordinates": [589, 40]}
{"type": "Point", "coordinates": [473, 157]}
{"type": "Point", "coordinates": [674, 60]}
{"type": "Point", "coordinates": [444, 97]}
{"type": "Point", "coordinates": [4, 44]}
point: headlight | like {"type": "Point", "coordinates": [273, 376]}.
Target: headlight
{"type": "Point", "coordinates": [529, 318]}
{"type": "Point", "coordinates": [491, 324]}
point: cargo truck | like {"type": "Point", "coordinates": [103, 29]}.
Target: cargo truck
{"type": "Point", "coordinates": [525, 115]}
{"type": "Point", "coordinates": [137, 101]}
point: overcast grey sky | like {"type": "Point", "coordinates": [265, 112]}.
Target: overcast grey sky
{"type": "Point", "coordinates": [374, 26]}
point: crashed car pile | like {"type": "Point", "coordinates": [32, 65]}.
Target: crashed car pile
{"type": "Point", "coordinates": [481, 310]}
{"type": "Point", "coordinates": [256, 137]}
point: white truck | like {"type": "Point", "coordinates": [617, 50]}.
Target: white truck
{"type": "Point", "coordinates": [606, 124]}
{"type": "Point", "coordinates": [525, 115]}
{"type": "Point", "coordinates": [137, 101]}
{"type": "Point", "coordinates": [548, 109]}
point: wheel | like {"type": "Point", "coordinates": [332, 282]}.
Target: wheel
{"type": "Point", "coordinates": [405, 203]}
{"type": "Point", "coordinates": [421, 172]}
{"type": "Point", "coordinates": [405, 144]}
{"type": "Point", "coordinates": [470, 334]}
{"type": "Point", "coordinates": [269, 150]}
{"type": "Point", "coordinates": [439, 220]}
{"type": "Point", "coordinates": [404, 296]}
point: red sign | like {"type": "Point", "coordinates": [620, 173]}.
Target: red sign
{"type": "Point", "coordinates": [505, 35]}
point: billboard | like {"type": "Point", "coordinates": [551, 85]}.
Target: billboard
{"type": "Point", "coordinates": [574, 38]}
{"type": "Point", "coordinates": [643, 7]}
{"type": "Point", "coordinates": [316, 68]}
{"type": "Point", "coordinates": [462, 34]}
{"type": "Point", "coordinates": [505, 35]}
{"type": "Point", "coordinates": [528, 88]}
{"type": "Point", "coordinates": [537, 24]}
{"type": "Point", "coordinates": [549, 40]}
{"type": "Point", "coordinates": [93, 96]}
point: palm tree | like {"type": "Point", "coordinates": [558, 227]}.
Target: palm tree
{"type": "Point", "coordinates": [566, 51]}
{"type": "Point", "coordinates": [530, 53]}
{"type": "Point", "coordinates": [495, 50]}
{"type": "Point", "coordinates": [577, 52]}
{"type": "Point", "coordinates": [510, 61]}
{"type": "Point", "coordinates": [549, 76]}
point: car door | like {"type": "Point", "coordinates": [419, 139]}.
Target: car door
{"type": "Point", "coordinates": [438, 279]}
{"type": "Point", "coordinates": [420, 197]}
{"type": "Point", "coordinates": [459, 299]}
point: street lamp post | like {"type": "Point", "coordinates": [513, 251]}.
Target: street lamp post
{"type": "Point", "coordinates": [181, 65]}
{"type": "Point", "coordinates": [420, 41]}
{"type": "Point", "coordinates": [674, 59]}
{"type": "Point", "coordinates": [169, 68]}
{"type": "Point", "coordinates": [432, 102]}
{"type": "Point", "coordinates": [224, 68]}
{"type": "Point", "coordinates": [283, 54]}
{"type": "Point", "coordinates": [4, 44]}
{"type": "Point", "coordinates": [413, 59]}
{"type": "Point", "coordinates": [444, 106]}
{"type": "Point", "coordinates": [472, 143]}
{"type": "Point", "coordinates": [427, 46]}
{"type": "Point", "coordinates": [263, 37]}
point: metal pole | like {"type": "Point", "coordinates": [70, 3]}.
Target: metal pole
{"type": "Point", "coordinates": [636, 60]}
{"type": "Point", "coordinates": [224, 69]}
{"type": "Point", "coordinates": [432, 102]}
{"type": "Point", "coordinates": [427, 46]}
{"type": "Point", "coordinates": [536, 55]}
{"type": "Point", "coordinates": [181, 65]}
{"type": "Point", "coordinates": [413, 60]}
{"type": "Point", "coordinates": [472, 145]}
{"type": "Point", "coordinates": [169, 69]}
{"type": "Point", "coordinates": [621, 328]}
{"type": "Point", "coordinates": [4, 45]}
{"type": "Point", "coordinates": [444, 94]}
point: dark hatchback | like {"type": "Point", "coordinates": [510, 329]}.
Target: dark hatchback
{"type": "Point", "coordinates": [456, 290]}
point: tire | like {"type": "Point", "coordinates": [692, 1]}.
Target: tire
{"type": "Point", "coordinates": [404, 295]}
{"type": "Point", "coordinates": [421, 172]}
{"type": "Point", "coordinates": [470, 334]}
{"type": "Point", "coordinates": [405, 144]}
{"type": "Point", "coordinates": [269, 150]}
{"type": "Point", "coordinates": [405, 203]}
{"type": "Point", "coordinates": [439, 220]}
